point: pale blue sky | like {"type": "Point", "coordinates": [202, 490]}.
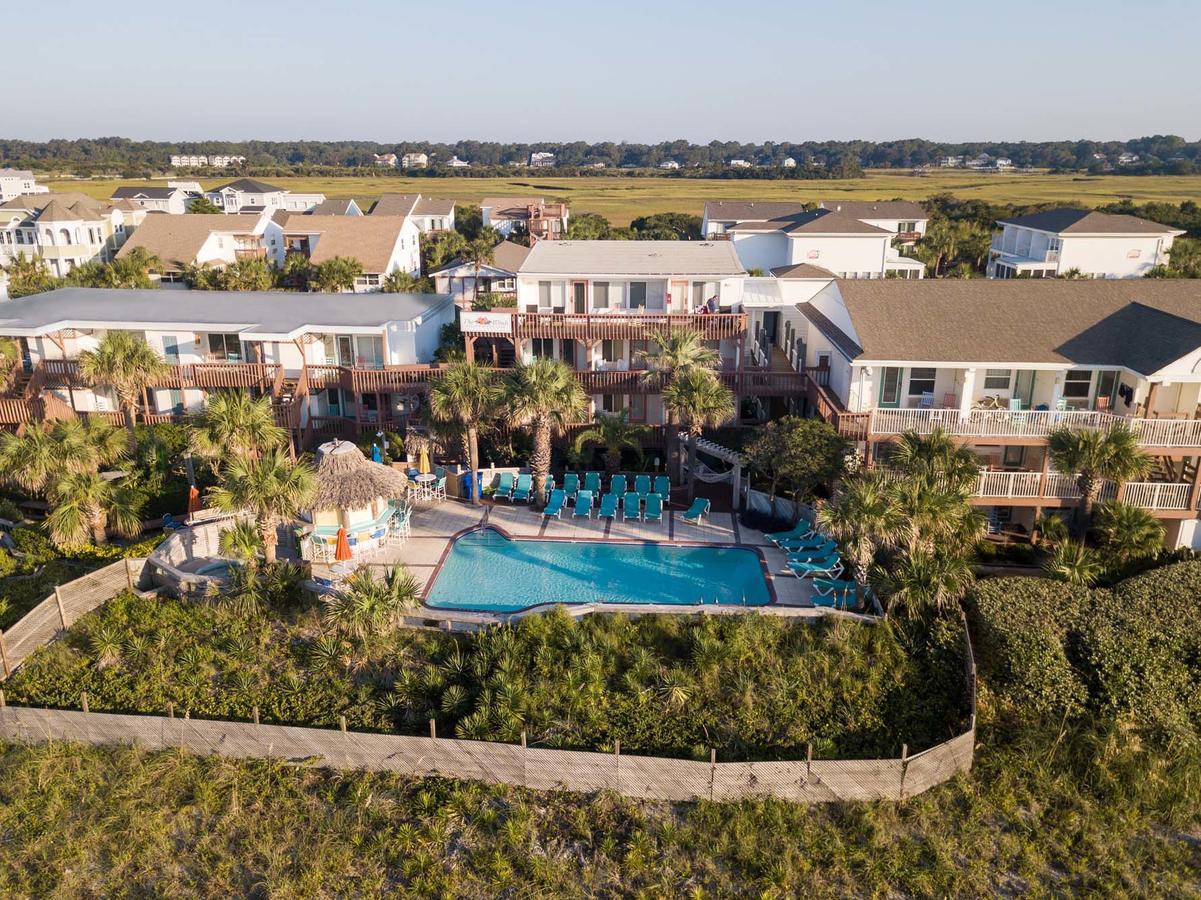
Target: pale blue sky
{"type": "Point", "coordinates": [747, 70]}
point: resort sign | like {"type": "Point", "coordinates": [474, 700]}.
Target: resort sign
{"type": "Point", "coordinates": [488, 322]}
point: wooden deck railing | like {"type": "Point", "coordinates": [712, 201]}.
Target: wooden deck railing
{"type": "Point", "coordinates": [623, 326]}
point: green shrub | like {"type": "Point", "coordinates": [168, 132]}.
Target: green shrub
{"type": "Point", "coordinates": [8, 565]}
{"type": "Point", "coordinates": [35, 547]}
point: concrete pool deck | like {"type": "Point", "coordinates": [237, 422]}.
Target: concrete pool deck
{"type": "Point", "coordinates": [434, 528]}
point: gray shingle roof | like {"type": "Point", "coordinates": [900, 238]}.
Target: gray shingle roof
{"type": "Point", "coordinates": [877, 209]}
{"type": "Point", "coordinates": [1088, 221]}
{"type": "Point", "coordinates": [1141, 324]}
{"type": "Point", "coordinates": [250, 185]}
{"type": "Point", "coordinates": [815, 221]}
{"type": "Point", "coordinates": [645, 258]}
{"type": "Point", "coordinates": [154, 193]}
{"type": "Point", "coordinates": [802, 270]}
{"type": "Point", "coordinates": [751, 210]}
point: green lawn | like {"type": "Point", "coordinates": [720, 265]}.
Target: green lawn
{"type": "Point", "coordinates": [622, 198]}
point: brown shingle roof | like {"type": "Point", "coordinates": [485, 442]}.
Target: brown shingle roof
{"type": "Point", "coordinates": [433, 206]}
{"type": "Point", "coordinates": [751, 210]}
{"type": "Point", "coordinates": [1088, 221]}
{"type": "Point", "coordinates": [506, 256]}
{"type": "Point", "coordinates": [802, 270]}
{"type": "Point", "coordinates": [333, 206]}
{"type": "Point", "coordinates": [1142, 324]}
{"type": "Point", "coordinates": [177, 239]}
{"type": "Point", "coordinates": [509, 207]}
{"type": "Point", "coordinates": [815, 221]}
{"type": "Point", "coordinates": [877, 209]}
{"type": "Point", "coordinates": [394, 205]}
{"type": "Point", "coordinates": [369, 239]}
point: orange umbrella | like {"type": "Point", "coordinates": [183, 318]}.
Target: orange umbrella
{"type": "Point", "coordinates": [193, 499]}
{"type": "Point", "coordinates": [342, 551]}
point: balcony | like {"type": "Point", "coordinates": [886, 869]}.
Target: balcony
{"type": "Point", "coordinates": [1030, 425]}
{"type": "Point", "coordinates": [619, 326]}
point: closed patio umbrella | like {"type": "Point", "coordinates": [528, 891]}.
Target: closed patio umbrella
{"type": "Point", "coordinates": [423, 462]}
{"type": "Point", "coordinates": [375, 454]}
{"type": "Point", "coordinates": [342, 551]}
{"type": "Point", "coordinates": [193, 500]}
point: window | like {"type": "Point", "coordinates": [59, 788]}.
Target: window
{"type": "Point", "coordinates": [171, 350]}
{"type": "Point", "coordinates": [637, 407]}
{"type": "Point", "coordinates": [542, 348]}
{"type": "Point", "coordinates": [905, 227]}
{"type": "Point", "coordinates": [544, 295]}
{"type": "Point", "coordinates": [997, 379]}
{"type": "Point", "coordinates": [612, 403]}
{"type": "Point", "coordinates": [225, 347]}
{"type": "Point", "coordinates": [611, 350]}
{"type": "Point", "coordinates": [890, 385]}
{"type": "Point", "coordinates": [637, 295]}
{"type": "Point", "coordinates": [1077, 384]}
{"type": "Point", "coordinates": [369, 351]}
{"type": "Point", "coordinates": [638, 349]}
{"type": "Point", "coordinates": [600, 295]}
{"type": "Point", "coordinates": [921, 381]}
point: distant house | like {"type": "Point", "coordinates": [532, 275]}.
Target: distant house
{"type": "Point", "coordinates": [669, 164]}
{"type": "Point", "coordinates": [739, 164]}
{"type": "Point", "coordinates": [1098, 245]}
{"type": "Point", "coordinates": [427, 213]}
{"type": "Point", "coordinates": [1001, 163]}
{"type": "Point", "coordinates": [15, 182]}
{"type": "Point", "coordinates": [982, 161]}
{"type": "Point", "coordinates": [337, 206]}
{"type": "Point", "coordinates": [543, 221]}
{"type": "Point", "coordinates": [246, 195]}
{"type": "Point", "coordinates": [1127, 159]}
{"type": "Point", "coordinates": [593, 165]}
{"type": "Point", "coordinates": [542, 160]}
{"type": "Point", "coordinates": [414, 161]}
{"type": "Point", "coordinates": [183, 161]}
{"type": "Point", "coordinates": [788, 163]}
{"type": "Point", "coordinates": [206, 239]}
{"type": "Point", "coordinates": [156, 199]}
{"type": "Point", "coordinates": [383, 244]}
{"type": "Point", "coordinates": [457, 277]}
{"type": "Point", "coordinates": [455, 163]}
{"type": "Point", "coordinates": [386, 159]}
{"type": "Point", "coordinates": [951, 162]}
{"type": "Point", "coordinates": [65, 229]}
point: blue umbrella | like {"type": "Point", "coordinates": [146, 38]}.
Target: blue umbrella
{"type": "Point", "coordinates": [375, 455]}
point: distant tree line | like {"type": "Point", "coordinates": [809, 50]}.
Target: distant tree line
{"type": "Point", "coordinates": [1169, 154]}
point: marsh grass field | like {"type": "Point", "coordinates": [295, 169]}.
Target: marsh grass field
{"type": "Point", "coordinates": [622, 198]}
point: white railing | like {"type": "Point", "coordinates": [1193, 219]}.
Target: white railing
{"type": "Point", "coordinates": [1157, 494]}
{"type": "Point", "coordinates": [1009, 484]}
{"type": "Point", "coordinates": [1032, 424]}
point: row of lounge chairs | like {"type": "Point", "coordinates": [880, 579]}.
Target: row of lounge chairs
{"type": "Point", "coordinates": [520, 488]}
{"type": "Point", "coordinates": [812, 554]}
{"type": "Point", "coordinates": [633, 507]}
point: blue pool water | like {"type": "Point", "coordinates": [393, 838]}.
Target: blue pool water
{"type": "Point", "coordinates": [486, 571]}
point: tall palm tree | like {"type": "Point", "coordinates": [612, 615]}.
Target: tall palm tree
{"type": "Point", "coordinates": [936, 458]}
{"type": "Point", "coordinates": [234, 424]}
{"type": "Point", "coordinates": [1074, 563]}
{"type": "Point", "coordinates": [939, 519]}
{"type": "Point", "coordinates": [674, 353]}
{"type": "Point", "coordinates": [368, 606]}
{"type": "Point", "coordinates": [864, 519]}
{"type": "Point", "coordinates": [241, 541]}
{"type": "Point", "coordinates": [271, 486]}
{"type": "Point", "coordinates": [1096, 455]}
{"type": "Point", "coordinates": [612, 434]}
{"type": "Point", "coordinates": [468, 396]}
{"type": "Point", "coordinates": [87, 505]}
{"type": "Point", "coordinates": [546, 396]}
{"type": "Point", "coordinates": [44, 452]}
{"type": "Point", "coordinates": [128, 365]}
{"type": "Point", "coordinates": [699, 400]}
{"type": "Point", "coordinates": [923, 581]}
{"type": "Point", "coordinates": [480, 252]}
{"type": "Point", "coordinates": [1127, 532]}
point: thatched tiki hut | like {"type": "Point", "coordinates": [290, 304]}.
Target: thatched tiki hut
{"type": "Point", "coordinates": [353, 493]}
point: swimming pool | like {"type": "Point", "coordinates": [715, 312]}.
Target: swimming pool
{"type": "Point", "coordinates": [487, 571]}
{"type": "Point", "coordinates": [218, 568]}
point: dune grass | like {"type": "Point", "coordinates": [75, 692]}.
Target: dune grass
{"type": "Point", "coordinates": [621, 198]}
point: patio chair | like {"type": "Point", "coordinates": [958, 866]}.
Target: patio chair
{"type": "Point", "coordinates": [694, 513]}
{"type": "Point", "coordinates": [926, 401]}
{"type": "Point", "coordinates": [835, 592]}
{"type": "Point", "coordinates": [608, 506]}
{"type": "Point", "coordinates": [504, 488]}
{"type": "Point", "coordinates": [663, 487]}
{"type": "Point", "coordinates": [802, 529]}
{"type": "Point", "coordinates": [554, 509]}
{"type": "Point", "coordinates": [617, 485]}
{"type": "Point", "coordinates": [812, 553]}
{"type": "Point", "coordinates": [631, 506]}
{"type": "Point", "coordinates": [438, 488]}
{"type": "Point", "coordinates": [654, 508]}
{"type": "Point", "coordinates": [571, 485]}
{"type": "Point", "coordinates": [583, 505]}
{"type": "Point", "coordinates": [523, 489]}
{"type": "Point", "coordinates": [170, 524]}
{"type": "Point", "coordinates": [828, 567]}
{"type": "Point", "coordinates": [642, 484]}
{"type": "Point", "coordinates": [814, 540]}
{"type": "Point", "coordinates": [592, 482]}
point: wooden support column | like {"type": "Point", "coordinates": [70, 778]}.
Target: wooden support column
{"type": "Point", "coordinates": [469, 342]}
{"type": "Point", "coordinates": [1152, 396]}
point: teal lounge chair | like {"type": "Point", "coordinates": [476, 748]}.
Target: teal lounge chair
{"type": "Point", "coordinates": [663, 487]}
{"type": "Point", "coordinates": [504, 488]}
{"type": "Point", "coordinates": [835, 592]}
{"type": "Point", "coordinates": [608, 507]}
{"type": "Point", "coordinates": [699, 508]}
{"type": "Point", "coordinates": [814, 540]}
{"type": "Point", "coordinates": [801, 529]}
{"type": "Point", "coordinates": [571, 484]}
{"type": "Point", "coordinates": [654, 508]}
{"type": "Point", "coordinates": [592, 483]}
{"type": "Point", "coordinates": [829, 567]}
{"type": "Point", "coordinates": [813, 552]}
{"type": "Point", "coordinates": [555, 507]}
{"type": "Point", "coordinates": [618, 485]}
{"type": "Point", "coordinates": [642, 484]}
{"type": "Point", "coordinates": [583, 505]}
{"type": "Point", "coordinates": [523, 489]}
{"type": "Point", "coordinates": [631, 506]}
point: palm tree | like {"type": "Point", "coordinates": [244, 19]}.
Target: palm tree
{"type": "Point", "coordinates": [545, 395]}
{"type": "Point", "coordinates": [467, 396]}
{"type": "Point", "coordinates": [1128, 532]}
{"type": "Point", "coordinates": [674, 353]}
{"type": "Point", "coordinates": [1074, 563]}
{"type": "Point", "coordinates": [1094, 456]}
{"type": "Point", "coordinates": [613, 434]}
{"type": "Point", "coordinates": [699, 400]}
{"type": "Point", "coordinates": [937, 459]}
{"type": "Point", "coordinates": [241, 541]}
{"type": "Point", "coordinates": [128, 365]}
{"type": "Point", "coordinates": [86, 505]}
{"type": "Point", "coordinates": [368, 606]}
{"type": "Point", "coordinates": [923, 580]}
{"type": "Point", "coordinates": [271, 486]}
{"type": "Point", "coordinates": [864, 519]}
{"type": "Point", "coordinates": [233, 424]}
{"type": "Point", "coordinates": [480, 252]}
{"type": "Point", "coordinates": [939, 519]}
{"type": "Point", "coordinates": [35, 459]}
